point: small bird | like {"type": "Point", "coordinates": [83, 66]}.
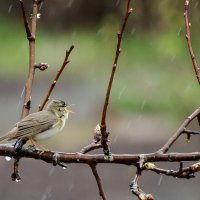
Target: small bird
{"type": "Point", "coordinates": [40, 125]}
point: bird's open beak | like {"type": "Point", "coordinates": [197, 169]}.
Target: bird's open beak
{"type": "Point", "coordinates": [67, 109]}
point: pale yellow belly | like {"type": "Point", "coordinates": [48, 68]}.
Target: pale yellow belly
{"type": "Point", "coordinates": [47, 134]}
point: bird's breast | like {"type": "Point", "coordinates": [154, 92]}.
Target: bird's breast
{"type": "Point", "coordinates": [52, 131]}
{"type": "Point", "coordinates": [47, 134]}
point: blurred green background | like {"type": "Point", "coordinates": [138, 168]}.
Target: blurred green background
{"type": "Point", "coordinates": [154, 89]}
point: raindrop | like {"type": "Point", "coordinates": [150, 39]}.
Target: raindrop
{"type": "Point", "coordinates": [70, 187]}
{"type": "Point", "coordinates": [173, 58]}
{"type": "Point", "coordinates": [17, 180]}
{"type": "Point", "coordinates": [64, 167]}
{"type": "Point", "coordinates": [179, 31]}
{"type": "Point", "coordinates": [41, 5]}
{"type": "Point", "coordinates": [10, 8]}
{"type": "Point", "coordinates": [196, 4]}
{"type": "Point", "coordinates": [101, 31]}
{"type": "Point", "coordinates": [117, 3]}
{"type": "Point", "coordinates": [51, 171]}
{"type": "Point", "coordinates": [115, 138]}
{"type": "Point", "coordinates": [160, 180]}
{"type": "Point", "coordinates": [69, 3]}
{"type": "Point", "coordinates": [23, 90]}
{"type": "Point", "coordinates": [143, 104]}
{"type": "Point", "coordinates": [187, 88]}
{"type": "Point", "coordinates": [133, 31]}
{"type": "Point", "coordinates": [121, 92]}
{"type": "Point", "coordinates": [8, 158]}
{"type": "Point", "coordinates": [44, 197]}
{"type": "Point", "coordinates": [38, 15]}
{"type": "Point", "coordinates": [128, 124]}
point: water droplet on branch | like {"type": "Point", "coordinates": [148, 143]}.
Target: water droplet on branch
{"type": "Point", "coordinates": [8, 158]}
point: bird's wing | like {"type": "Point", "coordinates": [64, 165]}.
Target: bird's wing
{"type": "Point", "coordinates": [34, 123]}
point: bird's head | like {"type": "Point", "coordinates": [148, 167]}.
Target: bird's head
{"type": "Point", "coordinates": [59, 107]}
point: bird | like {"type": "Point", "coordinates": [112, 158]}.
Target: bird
{"type": "Point", "coordinates": [40, 125]}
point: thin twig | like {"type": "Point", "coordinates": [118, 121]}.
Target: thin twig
{"type": "Point", "coordinates": [106, 102]}
{"type": "Point", "coordinates": [191, 132]}
{"type": "Point", "coordinates": [98, 180]}
{"type": "Point", "coordinates": [90, 147]}
{"type": "Point", "coordinates": [187, 172]}
{"type": "Point", "coordinates": [181, 129]}
{"type": "Point", "coordinates": [65, 62]}
{"type": "Point", "coordinates": [26, 25]}
{"type": "Point", "coordinates": [136, 190]}
{"type": "Point", "coordinates": [188, 37]}
{"type": "Point", "coordinates": [95, 142]}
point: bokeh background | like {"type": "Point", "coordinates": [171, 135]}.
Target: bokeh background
{"type": "Point", "coordinates": [154, 90]}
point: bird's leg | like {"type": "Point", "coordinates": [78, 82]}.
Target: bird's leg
{"type": "Point", "coordinates": [36, 144]}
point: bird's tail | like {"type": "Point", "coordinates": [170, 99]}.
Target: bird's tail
{"type": "Point", "coordinates": [8, 136]}
{"type": "Point", "coordinates": [4, 137]}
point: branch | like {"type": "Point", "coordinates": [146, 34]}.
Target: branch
{"type": "Point", "coordinates": [125, 159]}
{"type": "Point", "coordinates": [26, 25]}
{"type": "Point", "coordinates": [95, 142]}
{"type": "Point", "coordinates": [135, 189]}
{"type": "Point", "coordinates": [65, 62]}
{"type": "Point", "coordinates": [98, 180]}
{"type": "Point", "coordinates": [181, 129]}
{"type": "Point", "coordinates": [31, 39]}
{"type": "Point", "coordinates": [187, 172]}
{"type": "Point", "coordinates": [188, 37]}
{"type": "Point", "coordinates": [105, 134]}
{"type": "Point", "coordinates": [90, 147]}
{"type": "Point", "coordinates": [191, 132]}
{"type": "Point", "coordinates": [15, 175]}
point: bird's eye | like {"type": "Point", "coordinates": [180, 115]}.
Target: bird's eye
{"type": "Point", "coordinates": [63, 104]}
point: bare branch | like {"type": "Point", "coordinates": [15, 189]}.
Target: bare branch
{"type": "Point", "coordinates": [90, 147]}
{"type": "Point", "coordinates": [65, 62]}
{"type": "Point", "coordinates": [98, 180]}
{"type": "Point", "coordinates": [31, 38]}
{"type": "Point", "coordinates": [191, 132]}
{"type": "Point", "coordinates": [125, 159]}
{"type": "Point", "coordinates": [135, 189]}
{"type": "Point", "coordinates": [104, 133]}
{"type": "Point", "coordinates": [188, 37]}
{"type": "Point", "coordinates": [187, 172]}
{"type": "Point", "coordinates": [15, 175]}
{"type": "Point", "coordinates": [26, 25]}
{"type": "Point", "coordinates": [181, 129]}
